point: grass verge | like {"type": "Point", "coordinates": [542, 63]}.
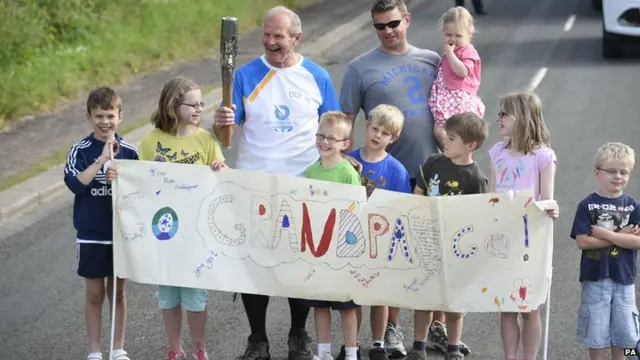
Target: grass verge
{"type": "Point", "coordinates": [52, 50]}
{"type": "Point", "coordinates": [58, 157]}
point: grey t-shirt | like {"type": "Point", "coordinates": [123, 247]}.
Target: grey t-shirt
{"type": "Point", "coordinates": [405, 81]}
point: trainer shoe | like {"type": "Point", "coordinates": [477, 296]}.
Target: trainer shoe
{"type": "Point", "coordinates": [437, 337]}
{"type": "Point", "coordinates": [417, 355]}
{"type": "Point", "coordinates": [120, 355]}
{"type": "Point", "coordinates": [200, 355]}
{"type": "Point", "coordinates": [454, 355]}
{"type": "Point", "coordinates": [300, 346]}
{"type": "Point", "coordinates": [257, 349]}
{"type": "Point", "coordinates": [376, 353]}
{"type": "Point", "coordinates": [172, 355]}
{"type": "Point", "coordinates": [393, 342]}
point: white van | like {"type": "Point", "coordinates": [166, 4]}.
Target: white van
{"type": "Point", "coordinates": [620, 24]}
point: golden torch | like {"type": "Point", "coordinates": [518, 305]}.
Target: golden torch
{"type": "Point", "coordinates": [228, 52]}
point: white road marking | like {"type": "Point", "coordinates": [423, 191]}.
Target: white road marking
{"type": "Point", "coordinates": [569, 24]}
{"type": "Point", "coordinates": [537, 78]}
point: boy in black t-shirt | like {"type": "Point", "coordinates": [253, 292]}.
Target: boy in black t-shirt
{"type": "Point", "coordinates": [606, 229]}
{"type": "Point", "coordinates": [452, 173]}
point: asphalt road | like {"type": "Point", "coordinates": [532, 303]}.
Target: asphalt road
{"type": "Point", "coordinates": [588, 101]}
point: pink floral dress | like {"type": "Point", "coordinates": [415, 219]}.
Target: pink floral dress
{"type": "Point", "coordinates": [445, 103]}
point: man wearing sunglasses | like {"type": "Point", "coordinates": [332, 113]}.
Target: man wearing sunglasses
{"type": "Point", "coordinates": [399, 74]}
{"type": "Point", "coordinates": [278, 99]}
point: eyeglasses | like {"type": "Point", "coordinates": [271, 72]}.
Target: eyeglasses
{"type": "Point", "coordinates": [391, 24]}
{"type": "Point", "coordinates": [623, 173]}
{"type": "Point", "coordinates": [195, 106]}
{"type": "Point", "coordinates": [330, 139]}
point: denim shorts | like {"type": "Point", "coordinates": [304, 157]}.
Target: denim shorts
{"type": "Point", "coordinates": [608, 315]}
{"type": "Point", "coordinates": [194, 300]}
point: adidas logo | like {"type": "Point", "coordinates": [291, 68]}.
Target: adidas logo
{"type": "Point", "coordinates": [102, 191]}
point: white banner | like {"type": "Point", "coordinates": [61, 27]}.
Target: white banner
{"type": "Point", "coordinates": [241, 231]}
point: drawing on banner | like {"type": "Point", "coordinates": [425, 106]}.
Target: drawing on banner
{"type": "Point", "coordinates": [529, 201]}
{"type": "Point", "coordinates": [260, 216]}
{"type": "Point", "coordinates": [455, 243]}
{"type": "Point", "coordinates": [351, 240]}
{"type": "Point", "coordinates": [136, 234]}
{"type": "Point", "coordinates": [426, 234]}
{"type": "Point", "coordinates": [129, 198]}
{"type": "Point", "coordinates": [307, 235]}
{"type": "Point", "coordinates": [378, 226]}
{"type": "Point", "coordinates": [363, 280]}
{"type": "Point", "coordinates": [494, 201]}
{"type": "Point", "coordinates": [521, 291]}
{"type": "Point", "coordinates": [399, 240]}
{"type": "Point", "coordinates": [207, 264]}
{"type": "Point", "coordinates": [285, 227]}
{"type": "Point", "coordinates": [525, 257]}
{"type": "Point", "coordinates": [497, 245]}
{"type": "Point", "coordinates": [484, 289]}
{"type": "Point", "coordinates": [526, 230]}
{"type": "Point", "coordinates": [309, 275]}
{"type": "Point", "coordinates": [215, 230]}
{"type": "Point", "coordinates": [317, 191]}
{"type": "Point", "coordinates": [165, 224]}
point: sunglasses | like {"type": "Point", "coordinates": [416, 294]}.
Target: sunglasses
{"type": "Point", "coordinates": [391, 24]}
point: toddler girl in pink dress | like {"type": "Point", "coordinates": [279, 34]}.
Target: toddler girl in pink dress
{"type": "Point", "coordinates": [455, 89]}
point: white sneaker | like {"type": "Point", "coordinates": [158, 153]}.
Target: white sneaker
{"type": "Point", "coordinates": [393, 342]}
{"type": "Point", "coordinates": [95, 356]}
{"type": "Point", "coordinates": [120, 355]}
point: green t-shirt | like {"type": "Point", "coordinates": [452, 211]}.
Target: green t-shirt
{"type": "Point", "coordinates": [343, 172]}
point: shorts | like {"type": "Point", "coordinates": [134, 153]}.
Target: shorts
{"type": "Point", "coordinates": [94, 260]}
{"type": "Point", "coordinates": [334, 305]}
{"type": "Point", "coordinates": [194, 300]}
{"type": "Point", "coordinates": [608, 315]}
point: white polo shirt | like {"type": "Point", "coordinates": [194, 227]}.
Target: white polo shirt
{"type": "Point", "coordinates": [279, 109]}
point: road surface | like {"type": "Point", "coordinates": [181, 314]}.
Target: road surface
{"type": "Point", "coordinates": [587, 101]}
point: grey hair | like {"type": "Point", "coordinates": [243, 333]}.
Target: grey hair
{"type": "Point", "coordinates": [296, 24]}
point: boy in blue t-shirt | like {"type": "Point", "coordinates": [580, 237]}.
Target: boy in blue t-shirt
{"type": "Point", "coordinates": [606, 229]}
{"type": "Point", "coordinates": [380, 170]}
{"type": "Point", "coordinates": [85, 175]}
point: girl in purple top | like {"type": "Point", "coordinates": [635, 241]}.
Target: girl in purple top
{"type": "Point", "coordinates": [523, 161]}
{"type": "Point", "coordinates": [455, 89]}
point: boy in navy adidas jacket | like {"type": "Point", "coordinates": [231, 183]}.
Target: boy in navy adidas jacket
{"type": "Point", "coordinates": [85, 175]}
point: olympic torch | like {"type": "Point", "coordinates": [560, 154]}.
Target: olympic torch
{"type": "Point", "coordinates": [228, 52]}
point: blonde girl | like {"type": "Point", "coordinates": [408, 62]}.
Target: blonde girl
{"type": "Point", "coordinates": [178, 138]}
{"type": "Point", "coordinates": [455, 89]}
{"type": "Point", "coordinates": [523, 160]}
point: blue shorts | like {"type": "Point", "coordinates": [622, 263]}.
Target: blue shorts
{"type": "Point", "coordinates": [95, 260]}
{"type": "Point", "coordinates": [194, 300]}
{"type": "Point", "coordinates": [335, 305]}
{"type": "Point", "coordinates": [608, 315]}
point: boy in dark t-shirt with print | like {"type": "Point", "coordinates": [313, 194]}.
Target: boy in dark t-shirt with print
{"type": "Point", "coordinates": [606, 229]}
{"type": "Point", "coordinates": [452, 173]}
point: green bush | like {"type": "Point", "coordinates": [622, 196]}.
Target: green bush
{"type": "Point", "coordinates": [51, 50]}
